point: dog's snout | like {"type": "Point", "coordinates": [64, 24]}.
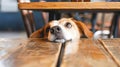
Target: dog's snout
{"type": "Point", "coordinates": [55, 29]}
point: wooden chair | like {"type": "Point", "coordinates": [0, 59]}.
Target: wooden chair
{"type": "Point", "coordinates": [28, 17]}
{"type": "Point", "coordinates": [56, 7]}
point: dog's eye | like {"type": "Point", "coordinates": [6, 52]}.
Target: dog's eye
{"type": "Point", "coordinates": [47, 30]}
{"type": "Point", "coordinates": [68, 25]}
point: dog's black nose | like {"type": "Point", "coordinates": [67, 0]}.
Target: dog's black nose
{"type": "Point", "coordinates": [55, 29]}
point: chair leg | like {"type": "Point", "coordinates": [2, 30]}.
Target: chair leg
{"type": "Point", "coordinates": [93, 21]}
{"type": "Point", "coordinates": [114, 26]}
{"type": "Point", "coordinates": [57, 16]}
{"type": "Point", "coordinates": [51, 16]}
{"type": "Point", "coordinates": [32, 21]}
{"type": "Point", "coordinates": [54, 16]}
{"type": "Point", "coordinates": [119, 27]}
{"type": "Point", "coordinates": [28, 22]}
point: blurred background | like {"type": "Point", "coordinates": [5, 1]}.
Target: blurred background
{"type": "Point", "coordinates": [11, 22]}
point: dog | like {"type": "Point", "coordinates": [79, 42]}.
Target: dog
{"type": "Point", "coordinates": [64, 30]}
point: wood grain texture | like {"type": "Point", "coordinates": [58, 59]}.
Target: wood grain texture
{"type": "Point", "coordinates": [74, 6]}
{"type": "Point", "coordinates": [8, 46]}
{"type": "Point", "coordinates": [90, 54]}
{"type": "Point", "coordinates": [113, 47]}
{"type": "Point", "coordinates": [42, 53]}
{"type": "Point", "coordinates": [36, 53]}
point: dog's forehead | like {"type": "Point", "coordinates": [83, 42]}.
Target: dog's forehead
{"type": "Point", "coordinates": [60, 22]}
{"type": "Point", "coordinates": [65, 20]}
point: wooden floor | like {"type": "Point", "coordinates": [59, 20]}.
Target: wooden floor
{"type": "Point", "coordinates": [41, 53]}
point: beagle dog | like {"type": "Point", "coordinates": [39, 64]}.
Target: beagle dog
{"type": "Point", "coordinates": [63, 30]}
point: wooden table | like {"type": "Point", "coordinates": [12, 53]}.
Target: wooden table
{"type": "Point", "coordinates": [41, 53]}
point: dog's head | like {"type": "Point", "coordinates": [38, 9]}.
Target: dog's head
{"type": "Point", "coordinates": [62, 30]}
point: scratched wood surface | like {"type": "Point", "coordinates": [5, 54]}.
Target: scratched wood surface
{"type": "Point", "coordinates": [41, 53]}
{"type": "Point", "coordinates": [7, 46]}
{"type": "Point", "coordinates": [113, 47]}
{"type": "Point", "coordinates": [90, 54]}
{"type": "Point", "coordinates": [35, 53]}
{"type": "Point", "coordinates": [74, 6]}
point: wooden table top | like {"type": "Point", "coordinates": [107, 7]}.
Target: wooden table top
{"type": "Point", "coordinates": [71, 6]}
{"type": "Point", "coordinates": [41, 53]}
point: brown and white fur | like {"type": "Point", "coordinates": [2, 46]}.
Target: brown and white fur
{"type": "Point", "coordinates": [63, 30]}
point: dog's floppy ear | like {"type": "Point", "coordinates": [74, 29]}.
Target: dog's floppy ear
{"type": "Point", "coordinates": [41, 33]}
{"type": "Point", "coordinates": [83, 29]}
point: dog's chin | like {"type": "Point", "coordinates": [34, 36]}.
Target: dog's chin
{"type": "Point", "coordinates": [61, 40]}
